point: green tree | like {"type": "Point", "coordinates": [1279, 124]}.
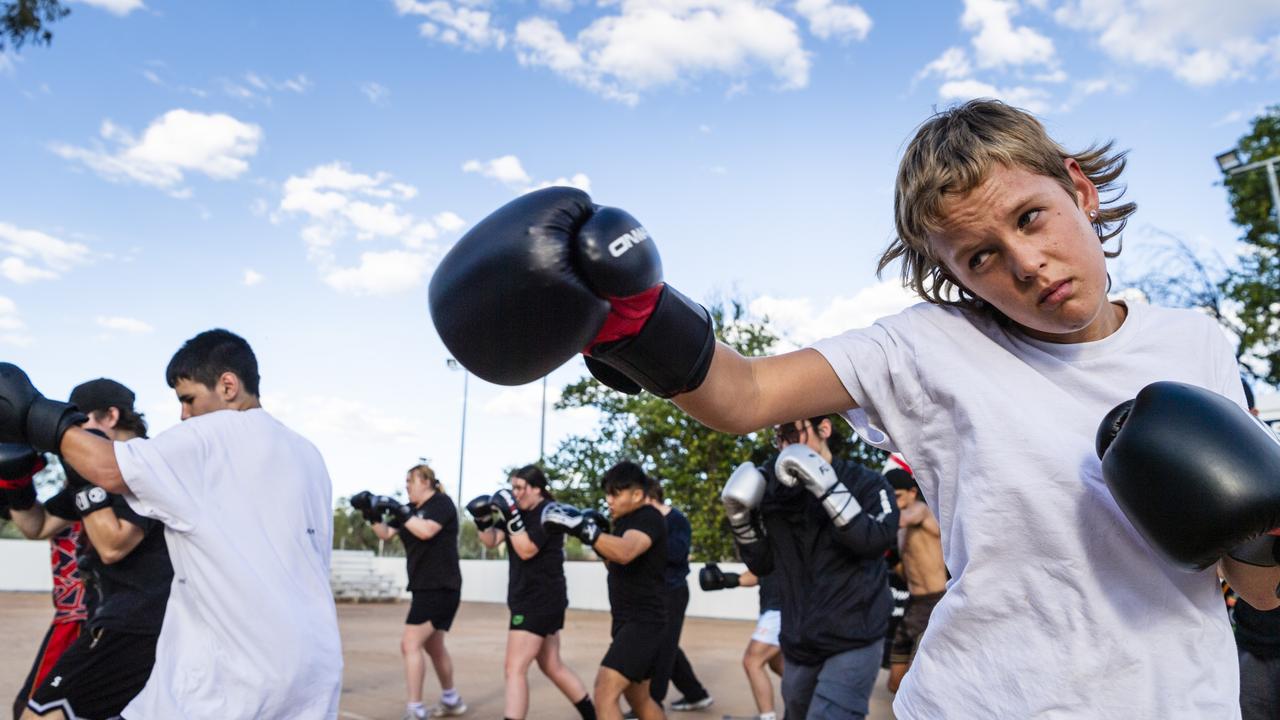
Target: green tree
{"type": "Point", "coordinates": [23, 20]}
{"type": "Point", "coordinates": [692, 460]}
{"type": "Point", "coordinates": [1255, 284]}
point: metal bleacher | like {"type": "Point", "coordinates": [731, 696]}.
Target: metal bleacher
{"type": "Point", "coordinates": [353, 576]}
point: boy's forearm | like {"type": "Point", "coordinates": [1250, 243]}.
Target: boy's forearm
{"type": "Point", "coordinates": [1256, 585]}
{"type": "Point", "coordinates": [615, 549]}
{"type": "Point", "coordinates": [94, 458]}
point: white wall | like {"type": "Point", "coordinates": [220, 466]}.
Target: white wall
{"type": "Point", "coordinates": [24, 565]}
{"type": "Point", "coordinates": [486, 581]}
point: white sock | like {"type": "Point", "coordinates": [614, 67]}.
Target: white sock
{"type": "Point", "coordinates": [416, 709]}
{"type": "Point", "coordinates": [767, 716]}
{"type": "Point", "coordinates": [450, 697]}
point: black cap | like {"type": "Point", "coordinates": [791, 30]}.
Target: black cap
{"type": "Point", "coordinates": [100, 394]}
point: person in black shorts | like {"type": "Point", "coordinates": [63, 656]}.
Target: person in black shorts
{"type": "Point", "coordinates": [536, 592]}
{"type": "Point", "coordinates": [128, 570]}
{"type": "Point", "coordinates": [635, 553]}
{"type": "Point", "coordinates": [674, 667]}
{"type": "Point", "coordinates": [428, 527]}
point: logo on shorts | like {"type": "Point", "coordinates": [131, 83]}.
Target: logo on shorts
{"type": "Point", "coordinates": [517, 619]}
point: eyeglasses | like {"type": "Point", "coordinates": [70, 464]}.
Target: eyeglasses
{"type": "Point", "coordinates": [789, 434]}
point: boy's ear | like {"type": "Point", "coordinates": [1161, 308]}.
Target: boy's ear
{"type": "Point", "coordinates": [229, 386]}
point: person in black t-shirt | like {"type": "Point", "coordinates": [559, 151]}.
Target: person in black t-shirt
{"type": "Point", "coordinates": [636, 553]}
{"type": "Point", "coordinates": [428, 527]}
{"type": "Point", "coordinates": [126, 565]}
{"type": "Point", "coordinates": [536, 592]}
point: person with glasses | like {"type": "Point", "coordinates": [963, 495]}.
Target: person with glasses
{"type": "Point", "coordinates": [819, 525]}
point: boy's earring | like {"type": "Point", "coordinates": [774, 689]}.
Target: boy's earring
{"type": "Point", "coordinates": [1093, 215]}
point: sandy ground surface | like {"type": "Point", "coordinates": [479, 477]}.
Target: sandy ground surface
{"type": "Point", "coordinates": [373, 687]}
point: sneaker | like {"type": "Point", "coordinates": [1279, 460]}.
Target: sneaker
{"type": "Point", "coordinates": [443, 709]}
{"type": "Point", "coordinates": [686, 705]}
{"type": "Point", "coordinates": [630, 715]}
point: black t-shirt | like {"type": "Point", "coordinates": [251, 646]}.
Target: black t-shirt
{"type": "Point", "coordinates": [537, 584]}
{"type": "Point", "coordinates": [433, 564]}
{"type": "Point", "coordinates": [636, 589]}
{"type": "Point", "coordinates": [132, 592]}
{"type": "Point", "coordinates": [770, 593]}
{"type": "Point", "coordinates": [1257, 631]}
{"type": "Point", "coordinates": [679, 538]}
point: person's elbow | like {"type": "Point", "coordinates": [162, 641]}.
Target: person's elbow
{"type": "Point", "coordinates": [111, 555]}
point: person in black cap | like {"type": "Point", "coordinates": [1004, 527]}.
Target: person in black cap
{"type": "Point", "coordinates": [110, 663]}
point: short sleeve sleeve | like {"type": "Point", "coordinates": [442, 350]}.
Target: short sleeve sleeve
{"type": "Point", "coordinates": [442, 511]}
{"type": "Point", "coordinates": [165, 475]}
{"type": "Point", "coordinates": [877, 366]}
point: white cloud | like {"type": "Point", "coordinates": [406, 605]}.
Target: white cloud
{"type": "Point", "coordinates": [321, 418]}
{"type": "Point", "coordinates": [952, 64]}
{"type": "Point", "coordinates": [33, 255]}
{"type": "Point", "coordinates": [449, 221]}
{"type": "Point", "coordinates": [12, 328]}
{"type": "Point", "coordinates": [998, 42]}
{"type": "Point", "coordinates": [525, 403]}
{"type": "Point", "coordinates": [115, 7]}
{"type": "Point", "coordinates": [1200, 42]}
{"type": "Point", "coordinates": [654, 43]}
{"type": "Point", "coordinates": [381, 273]}
{"type": "Point", "coordinates": [260, 88]}
{"type": "Point", "coordinates": [1031, 98]}
{"type": "Point", "coordinates": [454, 24]}
{"type": "Point", "coordinates": [561, 6]}
{"type": "Point", "coordinates": [252, 277]}
{"type": "Point", "coordinates": [178, 142]}
{"type": "Point", "coordinates": [129, 325]}
{"type": "Point", "coordinates": [801, 323]}
{"type": "Point", "coordinates": [341, 204]}
{"type": "Point", "coordinates": [829, 19]}
{"type": "Point", "coordinates": [509, 171]}
{"type": "Point", "coordinates": [377, 94]}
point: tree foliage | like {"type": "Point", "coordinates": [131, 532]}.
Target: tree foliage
{"type": "Point", "coordinates": [1255, 284]}
{"type": "Point", "coordinates": [29, 20]}
{"type": "Point", "coordinates": [692, 460]}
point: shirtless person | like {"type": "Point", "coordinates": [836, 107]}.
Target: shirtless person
{"type": "Point", "coordinates": [920, 546]}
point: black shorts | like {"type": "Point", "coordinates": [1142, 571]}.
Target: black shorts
{"type": "Point", "coordinates": [540, 623]}
{"type": "Point", "coordinates": [634, 650]}
{"type": "Point", "coordinates": [435, 606]}
{"type": "Point", "coordinates": [60, 637]}
{"type": "Point", "coordinates": [98, 675]}
{"type": "Point", "coordinates": [916, 618]}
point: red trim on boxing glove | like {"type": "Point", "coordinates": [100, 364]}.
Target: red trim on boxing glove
{"type": "Point", "coordinates": [627, 316]}
{"type": "Point", "coordinates": [21, 482]}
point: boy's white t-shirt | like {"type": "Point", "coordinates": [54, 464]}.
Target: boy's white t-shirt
{"type": "Point", "coordinates": [250, 630]}
{"type": "Point", "coordinates": [1057, 608]}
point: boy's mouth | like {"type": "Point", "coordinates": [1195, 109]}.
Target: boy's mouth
{"type": "Point", "coordinates": [1056, 293]}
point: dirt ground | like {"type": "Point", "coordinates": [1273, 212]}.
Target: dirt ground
{"type": "Point", "coordinates": [373, 687]}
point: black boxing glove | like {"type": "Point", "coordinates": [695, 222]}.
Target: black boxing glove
{"type": "Point", "coordinates": [396, 511]}
{"type": "Point", "coordinates": [711, 577]}
{"type": "Point", "coordinates": [481, 510]}
{"type": "Point", "coordinates": [505, 503]}
{"type": "Point", "coordinates": [1195, 474]}
{"type": "Point", "coordinates": [28, 417]}
{"type": "Point", "coordinates": [92, 499]}
{"type": "Point", "coordinates": [19, 464]}
{"type": "Point", "coordinates": [549, 275]}
{"type": "Point", "coordinates": [363, 502]}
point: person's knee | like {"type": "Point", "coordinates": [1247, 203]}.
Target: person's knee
{"type": "Point", "coordinates": [54, 714]}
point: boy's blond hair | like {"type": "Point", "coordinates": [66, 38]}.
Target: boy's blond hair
{"type": "Point", "coordinates": [952, 153]}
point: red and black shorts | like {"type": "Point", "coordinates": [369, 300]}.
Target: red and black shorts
{"type": "Point", "coordinates": [98, 675]}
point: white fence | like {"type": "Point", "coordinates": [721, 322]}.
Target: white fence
{"type": "Point", "coordinates": [24, 566]}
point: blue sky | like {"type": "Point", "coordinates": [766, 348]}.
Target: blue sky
{"type": "Point", "coordinates": [293, 172]}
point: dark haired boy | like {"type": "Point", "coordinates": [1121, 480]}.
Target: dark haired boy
{"type": "Point", "coordinates": [636, 553]}
{"type": "Point", "coordinates": [250, 629]}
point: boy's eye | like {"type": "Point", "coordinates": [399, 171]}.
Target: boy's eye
{"type": "Point", "coordinates": [978, 258]}
{"type": "Point", "coordinates": [1028, 217]}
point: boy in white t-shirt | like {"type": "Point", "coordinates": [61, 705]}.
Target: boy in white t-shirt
{"type": "Point", "coordinates": [995, 388]}
{"type": "Point", "coordinates": [250, 630]}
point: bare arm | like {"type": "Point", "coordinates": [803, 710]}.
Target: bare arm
{"type": "Point", "coordinates": [112, 537]}
{"type": "Point", "coordinates": [1257, 585]}
{"type": "Point", "coordinates": [741, 395]}
{"type": "Point", "coordinates": [94, 458]}
{"type": "Point", "coordinates": [490, 537]}
{"type": "Point", "coordinates": [422, 528]}
{"type": "Point", "coordinates": [383, 531]}
{"type": "Point", "coordinates": [624, 549]}
{"type": "Point", "coordinates": [36, 524]}
{"type": "Point", "coordinates": [523, 546]}
{"type": "Point", "coordinates": [748, 579]}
